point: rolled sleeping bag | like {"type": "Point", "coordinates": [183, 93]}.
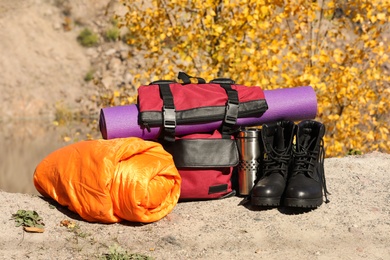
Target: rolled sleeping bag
{"type": "Point", "coordinates": [109, 181]}
{"type": "Point", "coordinates": [295, 104]}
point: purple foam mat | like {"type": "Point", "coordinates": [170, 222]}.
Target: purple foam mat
{"type": "Point", "coordinates": [293, 104]}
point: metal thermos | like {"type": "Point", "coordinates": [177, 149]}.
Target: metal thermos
{"type": "Point", "coordinates": [249, 149]}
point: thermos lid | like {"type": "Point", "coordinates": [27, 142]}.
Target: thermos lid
{"type": "Point", "coordinates": [249, 133]}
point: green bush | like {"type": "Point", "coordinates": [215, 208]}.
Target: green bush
{"type": "Point", "coordinates": [89, 76]}
{"type": "Point", "coordinates": [116, 253]}
{"type": "Point", "coordinates": [112, 34]}
{"type": "Point", "coordinates": [28, 218]}
{"type": "Point", "coordinates": [87, 38]}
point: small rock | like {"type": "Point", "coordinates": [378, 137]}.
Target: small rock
{"type": "Point", "coordinates": [110, 52]}
{"type": "Point", "coordinates": [170, 240]}
{"type": "Point", "coordinates": [91, 52]}
{"type": "Point", "coordinates": [107, 81]}
{"type": "Point", "coordinates": [57, 26]}
{"type": "Point", "coordinates": [127, 77]}
{"type": "Point", "coordinates": [114, 64]}
{"type": "Point", "coordinates": [124, 54]}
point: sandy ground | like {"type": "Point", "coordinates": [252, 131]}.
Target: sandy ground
{"type": "Point", "coordinates": [354, 225]}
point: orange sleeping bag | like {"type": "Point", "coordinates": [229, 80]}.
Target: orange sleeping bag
{"type": "Point", "coordinates": [111, 180]}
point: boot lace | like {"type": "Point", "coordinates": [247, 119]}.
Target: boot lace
{"type": "Point", "coordinates": [276, 162]}
{"type": "Point", "coordinates": [305, 163]}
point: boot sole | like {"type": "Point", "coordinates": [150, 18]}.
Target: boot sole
{"type": "Point", "coordinates": [261, 201]}
{"type": "Point", "coordinates": [302, 203]}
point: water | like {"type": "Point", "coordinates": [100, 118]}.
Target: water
{"type": "Point", "coordinates": [25, 143]}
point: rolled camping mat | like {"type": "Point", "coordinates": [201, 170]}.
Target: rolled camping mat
{"type": "Point", "coordinates": [295, 104]}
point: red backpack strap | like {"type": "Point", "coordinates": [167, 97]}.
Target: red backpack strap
{"type": "Point", "coordinates": [232, 105]}
{"type": "Point", "coordinates": [169, 114]}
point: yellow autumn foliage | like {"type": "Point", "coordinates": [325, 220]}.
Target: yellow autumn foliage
{"type": "Point", "coordinates": [341, 48]}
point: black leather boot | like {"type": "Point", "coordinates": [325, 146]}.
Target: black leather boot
{"type": "Point", "coordinates": [306, 182]}
{"type": "Point", "coordinates": [276, 144]}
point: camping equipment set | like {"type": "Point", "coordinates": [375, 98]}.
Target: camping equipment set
{"type": "Point", "coordinates": [204, 109]}
{"type": "Point", "coordinates": [192, 141]}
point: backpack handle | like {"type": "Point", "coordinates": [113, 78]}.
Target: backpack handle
{"type": "Point", "coordinates": [162, 82]}
{"type": "Point", "coordinates": [187, 78]}
{"type": "Point", "coordinates": [223, 81]}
